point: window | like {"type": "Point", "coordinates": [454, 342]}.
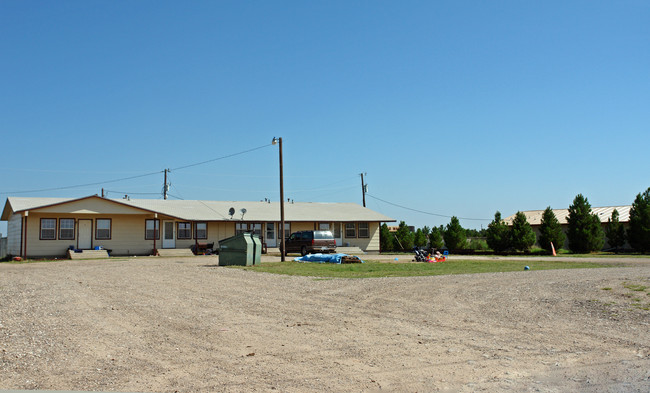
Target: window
{"type": "Point", "coordinates": [201, 230]}
{"type": "Point", "coordinates": [287, 230]}
{"type": "Point", "coordinates": [184, 230]}
{"type": "Point", "coordinates": [152, 229]}
{"type": "Point", "coordinates": [48, 229]}
{"type": "Point", "coordinates": [252, 227]}
{"type": "Point", "coordinates": [241, 227]}
{"type": "Point", "coordinates": [350, 230]}
{"type": "Point", "coordinates": [364, 230]}
{"type": "Point", "coordinates": [103, 229]}
{"type": "Point", "coordinates": [66, 228]}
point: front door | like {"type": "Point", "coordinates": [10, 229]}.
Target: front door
{"type": "Point", "coordinates": [169, 237]}
{"type": "Point", "coordinates": [270, 238]}
{"type": "Point", "coordinates": [85, 234]}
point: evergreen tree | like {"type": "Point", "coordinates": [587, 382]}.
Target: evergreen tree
{"type": "Point", "coordinates": [521, 234]}
{"type": "Point", "coordinates": [498, 234]}
{"type": "Point", "coordinates": [435, 238]}
{"type": "Point", "coordinates": [638, 234]}
{"type": "Point", "coordinates": [426, 231]}
{"type": "Point", "coordinates": [550, 231]}
{"type": "Point", "coordinates": [419, 239]}
{"type": "Point", "coordinates": [405, 237]}
{"type": "Point", "coordinates": [585, 232]}
{"type": "Point", "coordinates": [385, 238]}
{"type": "Point", "coordinates": [615, 231]}
{"type": "Point", "coordinates": [454, 235]}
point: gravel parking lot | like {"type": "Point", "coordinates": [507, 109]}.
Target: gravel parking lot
{"type": "Point", "coordinates": [187, 325]}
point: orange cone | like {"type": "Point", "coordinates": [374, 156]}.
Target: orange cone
{"type": "Point", "coordinates": [553, 249]}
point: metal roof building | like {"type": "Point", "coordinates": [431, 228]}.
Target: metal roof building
{"type": "Point", "coordinates": [534, 217]}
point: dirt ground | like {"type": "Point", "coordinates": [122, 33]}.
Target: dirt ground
{"type": "Point", "coordinates": [187, 325]}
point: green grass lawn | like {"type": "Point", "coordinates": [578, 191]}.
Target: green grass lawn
{"type": "Point", "coordinates": [383, 269]}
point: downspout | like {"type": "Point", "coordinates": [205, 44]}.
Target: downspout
{"type": "Point", "coordinates": [22, 235]}
{"type": "Point", "coordinates": [196, 238]}
{"type": "Point", "coordinates": [155, 221]}
{"type": "Point", "coordinates": [25, 234]}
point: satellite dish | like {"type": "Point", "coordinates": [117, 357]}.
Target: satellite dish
{"type": "Point", "coordinates": [243, 211]}
{"type": "Point", "coordinates": [231, 211]}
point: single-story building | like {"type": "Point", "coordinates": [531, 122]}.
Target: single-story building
{"type": "Point", "coordinates": [534, 218]}
{"type": "Point", "coordinates": [48, 227]}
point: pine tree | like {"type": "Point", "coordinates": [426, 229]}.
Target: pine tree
{"type": "Point", "coordinates": [498, 234]}
{"type": "Point", "coordinates": [550, 231]}
{"type": "Point", "coordinates": [405, 237]}
{"type": "Point", "coordinates": [385, 239]}
{"type": "Point", "coordinates": [585, 232]}
{"type": "Point", "coordinates": [419, 240]}
{"type": "Point", "coordinates": [454, 235]}
{"type": "Point", "coordinates": [521, 233]}
{"type": "Point", "coordinates": [615, 231]}
{"type": "Point", "coordinates": [435, 238]}
{"type": "Point", "coordinates": [638, 234]}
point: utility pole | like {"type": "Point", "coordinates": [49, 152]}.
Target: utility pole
{"type": "Point", "coordinates": [166, 186]}
{"type": "Point", "coordinates": [363, 189]}
{"type": "Point", "coordinates": [282, 234]}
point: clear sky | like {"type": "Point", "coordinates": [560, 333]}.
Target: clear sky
{"type": "Point", "coordinates": [450, 107]}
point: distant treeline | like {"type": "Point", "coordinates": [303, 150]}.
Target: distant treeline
{"type": "Point", "coordinates": [584, 232]}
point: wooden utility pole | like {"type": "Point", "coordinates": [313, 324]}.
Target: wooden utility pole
{"type": "Point", "coordinates": [363, 190]}
{"type": "Point", "coordinates": [165, 187]}
{"type": "Point", "coordinates": [282, 252]}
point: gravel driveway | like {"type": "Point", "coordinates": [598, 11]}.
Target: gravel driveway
{"type": "Point", "coordinates": [187, 325]}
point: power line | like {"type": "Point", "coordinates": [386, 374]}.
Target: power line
{"type": "Point", "coordinates": [423, 212]}
{"type": "Point", "coordinates": [131, 177]}
{"type": "Point", "coordinates": [131, 193]}
{"type": "Point", "coordinates": [220, 158]}
{"type": "Point", "coordinates": [82, 185]}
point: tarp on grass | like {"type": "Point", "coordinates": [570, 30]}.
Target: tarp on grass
{"type": "Point", "coordinates": [325, 258]}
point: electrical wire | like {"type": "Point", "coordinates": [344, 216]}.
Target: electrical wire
{"type": "Point", "coordinates": [82, 185]}
{"type": "Point", "coordinates": [423, 212]}
{"type": "Point", "coordinates": [131, 177]}
{"type": "Point", "coordinates": [220, 158]}
{"type": "Point", "coordinates": [131, 193]}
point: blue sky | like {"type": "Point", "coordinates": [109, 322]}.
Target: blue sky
{"type": "Point", "coordinates": [450, 107]}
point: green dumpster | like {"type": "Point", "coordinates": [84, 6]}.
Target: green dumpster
{"type": "Point", "coordinates": [243, 250]}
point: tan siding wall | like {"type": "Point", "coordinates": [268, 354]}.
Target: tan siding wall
{"type": "Point", "coordinates": [216, 231]}
{"type": "Point", "coordinates": [301, 226]}
{"type": "Point", "coordinates": [127, 236]}
{"type": "Point", "coordinates": [44, 248]}
{"type": "Point", "coordinates": [369, 244]}
{"type": "Point", "coordinates": [13, 234]}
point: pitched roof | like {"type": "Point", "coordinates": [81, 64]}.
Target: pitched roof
{"type": "Point", "coordinates": [219, 210]}
{"type": "Point", "coordinates": [534, 217]}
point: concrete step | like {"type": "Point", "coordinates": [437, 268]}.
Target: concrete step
{"type": "Point", "coordinates": [175, 252]}
{"type": "Point", "coordinates": [88, 254]}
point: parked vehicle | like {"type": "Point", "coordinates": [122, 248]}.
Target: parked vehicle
{"type": "Point", "coordinates": [308, 242]}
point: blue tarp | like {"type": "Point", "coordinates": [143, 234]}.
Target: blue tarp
{"type": "Point", "coordinates": [323, 258]}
